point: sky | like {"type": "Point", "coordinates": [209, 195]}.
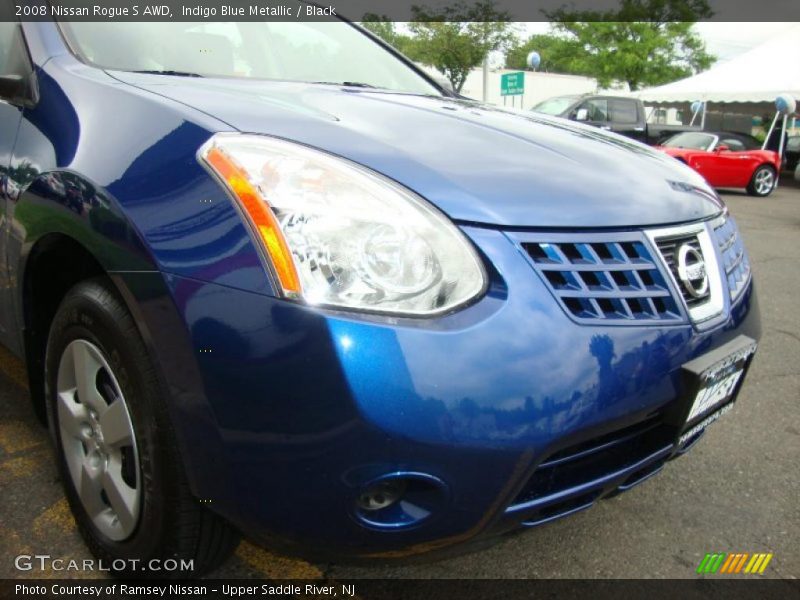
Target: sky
{"type": "Point", "coordinates": [723, 40]}
{"type": "Point", "coordinates": [726, 40]}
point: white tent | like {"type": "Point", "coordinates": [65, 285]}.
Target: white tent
{"type": "Point", "coordinates": [759, 75]}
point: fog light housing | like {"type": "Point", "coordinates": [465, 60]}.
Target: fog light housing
{"type": "Point", "coordinates": [382, 494]}
{"type": "Point", "coordinates": [399, 500]}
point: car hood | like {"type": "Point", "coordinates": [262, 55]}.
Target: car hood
{"type": "Point", "coordinates": [476, 163]}
{"type": "Point", "coordinates": [678, 151]}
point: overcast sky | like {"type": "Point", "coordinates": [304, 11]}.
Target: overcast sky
{"type": "Point", "coordinates": [723, 40]}
{"type": "Point", "coordinates": [726, 40]}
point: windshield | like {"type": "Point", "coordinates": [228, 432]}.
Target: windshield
{"type": "Point", "coordinates": [555, 106]}
{"type": "Point", "coordinates": [692, 140]}
{"type": "Point", "coordinates": [317, 52]}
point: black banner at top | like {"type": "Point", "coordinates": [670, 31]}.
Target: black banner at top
{"type": "Point", "coordinates": [396, 10]}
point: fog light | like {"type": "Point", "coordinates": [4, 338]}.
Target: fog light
{"type": "Point", "coordinates": [399, 500]}
{"type": "Point", "coordinates": [382, 494]}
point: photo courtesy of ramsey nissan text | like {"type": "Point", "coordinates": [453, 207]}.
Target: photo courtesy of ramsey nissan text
{"type": "Point", "coordinates": [346, 297]}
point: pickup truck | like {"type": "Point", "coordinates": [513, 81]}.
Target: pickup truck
{"type": "Point", "coordinates": [620, 114]}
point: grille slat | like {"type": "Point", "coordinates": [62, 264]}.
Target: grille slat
{"type": "Point", "coordinates": [594, 267]}
{"type": "Point", "coordinates": [578, 467]}
{"type": "Point", "coordinates": [617, 281]}
{"type": "Point", "coordinates": [734, 257]}
{"type": "Point", "coordinates": [644, 294]}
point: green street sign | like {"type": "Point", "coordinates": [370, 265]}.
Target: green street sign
{"type": "Point", "coordinates": [512, 84]}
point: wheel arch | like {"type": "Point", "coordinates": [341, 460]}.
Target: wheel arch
{"type": "Point", "coordinates": [66, 228]}
{"type": "Point", "coordinates": [55, 263]}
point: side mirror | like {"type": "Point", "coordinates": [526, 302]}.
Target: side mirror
{"type": "Point", "coordinates": [722, 148]}
{"type": "Point", "coordinates": [12, 86]}
{"type": "Point", "coordinates": [582, 114]}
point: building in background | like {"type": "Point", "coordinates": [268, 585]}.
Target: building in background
{"type": "Point", "coordinates": [538, 86]}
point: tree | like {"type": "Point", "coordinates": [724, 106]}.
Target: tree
{"type": "Point", "coordinates": [644, 43]}
{"type": "Point", "coordinates": [559, 54]}
{"type": "Point", "coordinates": [385, 29]}
{"type": "Point", "coordinates": [457, 38]}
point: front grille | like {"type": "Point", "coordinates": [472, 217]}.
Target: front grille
{"type": "Point", "coordinates": [617, 281]}
{"type": "Point", "coordinates": [734, 257]}
{"type": "Point", "coordinates": [669, 246]}
{"type": "Point", "coordinates": [573, 478]}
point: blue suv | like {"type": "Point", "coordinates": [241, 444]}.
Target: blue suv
{"type": "Point", "coordinates": [272, 278]}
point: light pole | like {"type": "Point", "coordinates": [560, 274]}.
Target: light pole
{"type": "Point", "coordinates": [533, 60]}
{"type": "Point", "coordinates": [486, 78]}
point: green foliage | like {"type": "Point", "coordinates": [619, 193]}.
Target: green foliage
{"type": "Point", "coordinates": [454, 39]}
{"type": "Point", "coordinates": [457, 38]}
{"type": "Point", "coordinates": [644, 43]}
{"type": "Point", "coordinates": [558, 54]}
{"type": "Point", "coordinates": [385, 29]}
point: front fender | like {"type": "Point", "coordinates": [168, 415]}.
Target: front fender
{"type": "Point", "coordinates": [63, 202]}
{"type": "Point", "coordinates": [115, 168]}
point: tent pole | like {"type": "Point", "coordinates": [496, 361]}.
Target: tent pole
{"type": "Point", "coordinates": [769, 133]}
{"type": "Point", "coordinates": [703, 117]}
{"type": "Point", "coordinates": [783, 136]}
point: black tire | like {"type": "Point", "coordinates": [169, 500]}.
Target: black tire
{"type": "Point", "coordinates": [171, 523]}
{"type": "Point", "coordinates": [756, 187]}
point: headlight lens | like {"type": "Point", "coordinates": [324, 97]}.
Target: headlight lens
{"type": "Point", "coordinates": [341, 235]}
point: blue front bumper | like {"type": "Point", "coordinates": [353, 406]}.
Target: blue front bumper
{"type": "Point", "coordinates": [296, 409]}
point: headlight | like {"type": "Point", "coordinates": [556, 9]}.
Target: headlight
{"type": "Point", "coordinates": [338, 234]}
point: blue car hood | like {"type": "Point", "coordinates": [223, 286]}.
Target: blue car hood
{"type": "Point", "coordinates": [477, 163]}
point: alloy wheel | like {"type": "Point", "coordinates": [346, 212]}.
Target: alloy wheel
{"type": "Point", "coordinates": [764, 182]}
{"type": "Point", "coordinates": [98, 440]}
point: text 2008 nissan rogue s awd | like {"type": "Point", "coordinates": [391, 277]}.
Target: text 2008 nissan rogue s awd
{"type": "Point", "coordinates": [269, 277]}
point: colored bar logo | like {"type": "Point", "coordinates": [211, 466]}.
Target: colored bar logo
{"type": "Point", "coordinates": [734, 563]}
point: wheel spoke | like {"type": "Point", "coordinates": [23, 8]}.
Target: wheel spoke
{"type": "Point", "coordinates": [89, 489]}
{"type": "Point", "coordinates": [123, 498]}
{"type": "Point", "coordinates": [115, 424]}
{"type": "Point", "coordinates": [71, 415]}
{"type": "Point", "coordinates": [763, 181]}
{"type": "Point", "coordinates": [95, 426]}
{"type": "Point", "coordinates": [86, 369]}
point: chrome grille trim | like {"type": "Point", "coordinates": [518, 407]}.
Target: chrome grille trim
{"type": "Point", "coordinates": [713, 303]}
{"type": "Point", "coordinates": [668, 247]}
{"type": "Point", "coordinates": [735, 261]}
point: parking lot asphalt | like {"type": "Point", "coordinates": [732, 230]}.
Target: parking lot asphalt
{"type": "Point", "coordinates": [737, 491]}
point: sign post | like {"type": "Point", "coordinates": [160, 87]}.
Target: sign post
{"type": "Point", "coordinates": [512, 84]}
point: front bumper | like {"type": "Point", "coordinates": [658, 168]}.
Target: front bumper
{"type": "Point", "coordinates": [292, 411]}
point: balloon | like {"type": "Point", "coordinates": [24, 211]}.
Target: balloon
{"type": "Point", "coordinates": [785, 104]}
{"type": "Point", "coordinates": [697, 106]}
{"type": "Point", "coordinates": [534, 60]}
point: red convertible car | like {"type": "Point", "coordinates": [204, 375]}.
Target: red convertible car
{"type": "Point", "coordinates": [727, 159]}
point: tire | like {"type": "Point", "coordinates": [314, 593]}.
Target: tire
{"type": "Point", "coordinates": [762, 182]}
{"type": "Point", "coordinates": [122, 473]}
